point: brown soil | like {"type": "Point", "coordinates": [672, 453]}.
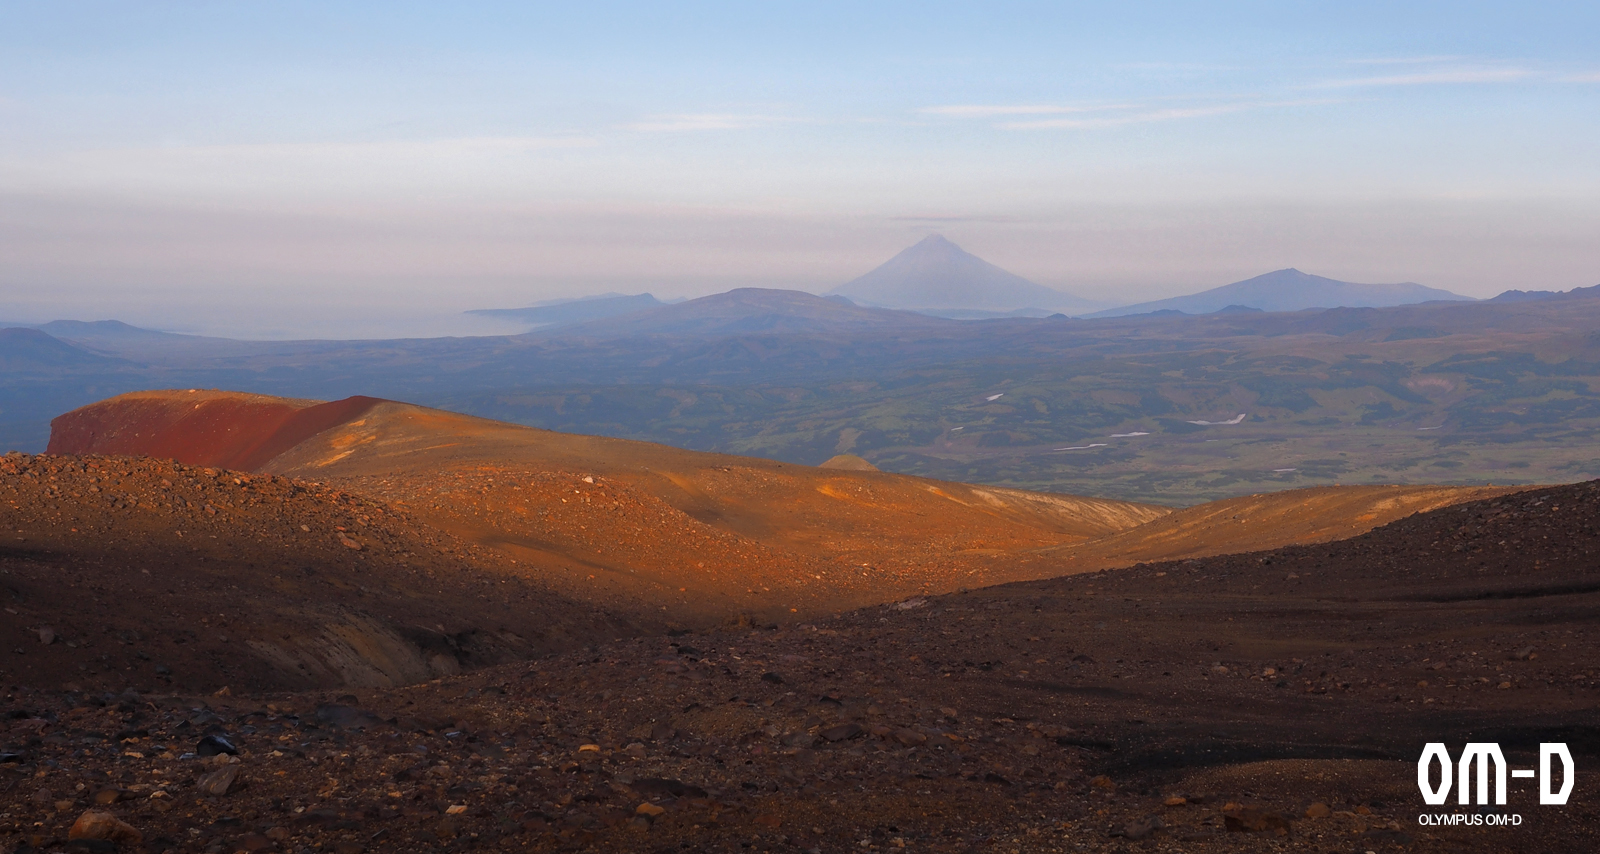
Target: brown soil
{"type": "Point", "coordinates": [1202, 705]}
{"type": "Point", "coordinates": [222, 578]}
{"type": "Point", "coordinates": [847, 462]}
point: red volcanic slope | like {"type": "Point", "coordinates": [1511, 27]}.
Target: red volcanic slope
{"type": "Point", "coordinates": [222, 429]}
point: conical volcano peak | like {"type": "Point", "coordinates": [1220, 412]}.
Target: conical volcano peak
{"type": "Point", "coordinates": [937, 246]}
{"type": "Point", "coordinates": [935, 273]}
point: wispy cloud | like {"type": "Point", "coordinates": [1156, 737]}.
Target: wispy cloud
{"type": "Point", "coordinates": [984, 111]}
{"type": "Point", "coordinates": [1440, 77]}
{"type": "Point", "coordinates": [1161, 114]}
{"type": "Point", "coordinates": [423, 148]}
{"type": "Point", "coordinates": [1402, 60]}
{"type": "Point", "coordinates": [681, 122]}
{"type": "Point", "coordinates": [1173, 66]}
{"type": "Point", "coordinates": [1591, 77]}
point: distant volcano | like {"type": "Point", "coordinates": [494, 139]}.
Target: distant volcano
{"type": "Point", "coordinates": [936, 274]}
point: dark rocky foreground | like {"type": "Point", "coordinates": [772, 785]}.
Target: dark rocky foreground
{"type": "Point", "coordinates": [1264, 702]}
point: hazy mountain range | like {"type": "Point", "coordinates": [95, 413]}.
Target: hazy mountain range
{"type": "Point", "coordinates": [1289, 290]}
{"type": "Point", "coordinates": [745, 311]}
{"type": "Point", "coordinates": [938, 278]}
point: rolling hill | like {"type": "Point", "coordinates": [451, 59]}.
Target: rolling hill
{"type": "Point", "coordinates": [662, 533]}
{"type": "Point", "coordinates": [631, 526]}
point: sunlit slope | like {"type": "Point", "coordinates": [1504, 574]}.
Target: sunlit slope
{"type": "Point", "coordinates": [694, 530]}
{"type": "Point", "coordinates": [644, 527]}
{"type": "Point", "coordinates": [677, 535]}
{"type": "Point", "coordinates": [199, 427]}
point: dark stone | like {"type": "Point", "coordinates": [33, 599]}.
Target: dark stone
{"type": "Point", "coordinates": [773, 678]}
{"type": "Point", "coordinates": [843, 732]}
{"type": "Point", "coordinates": [345, 717]}
{"type": "Point", "coordinates": [214, 744]}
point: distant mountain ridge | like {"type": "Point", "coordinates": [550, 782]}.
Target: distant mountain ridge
{"type": "Point", "coordinates": [561, 312]}
{"type": "Point", "coordinates": [1290, 290]}
{"type": "Point", "coordinates": [30, 349]}
{"type": "Point", "coordinates": [89, 330]}
{"type": "Point", "coordinates": [937, 275]}
{"type": "Point", "coordinates": [744, 311]}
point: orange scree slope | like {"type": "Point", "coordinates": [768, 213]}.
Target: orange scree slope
{"type": "Point", "coordinates": [649, 529]}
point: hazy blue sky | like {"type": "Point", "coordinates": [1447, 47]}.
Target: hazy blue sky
{"type": "Point", "coordinates": [291, 168]}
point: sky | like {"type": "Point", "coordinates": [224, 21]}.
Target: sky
{"type": "Point", "coordinates": [359, 169]}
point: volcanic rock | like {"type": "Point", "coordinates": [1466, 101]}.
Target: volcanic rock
{"type": "Point", "coordinates": [219, 782]}
{"type": "Point", "coordinates": [216, 744]}
{"type": "Point", "coordinates": [102, 824]}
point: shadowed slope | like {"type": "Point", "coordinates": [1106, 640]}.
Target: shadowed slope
{"type": "Point", "coordinates": [1269, 521]}
{"type": "Point", "coordinates": [118, 572]}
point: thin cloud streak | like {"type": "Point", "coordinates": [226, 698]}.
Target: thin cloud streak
{"type": "Point", "coordinates": [1173, 66]}
{"type": "Point", "coordinates": [1432, 78]}
{"type": "Point", "coordinates": [449, 147]}
{"type": "Point", "coordinates": [983, 111]}
{"type": "Point", "coordinates": [1403, 60]}
{"type": "Point", "coordinates": [688, 122]}
{"type": "Point", "coordinates": [1163, 115]}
